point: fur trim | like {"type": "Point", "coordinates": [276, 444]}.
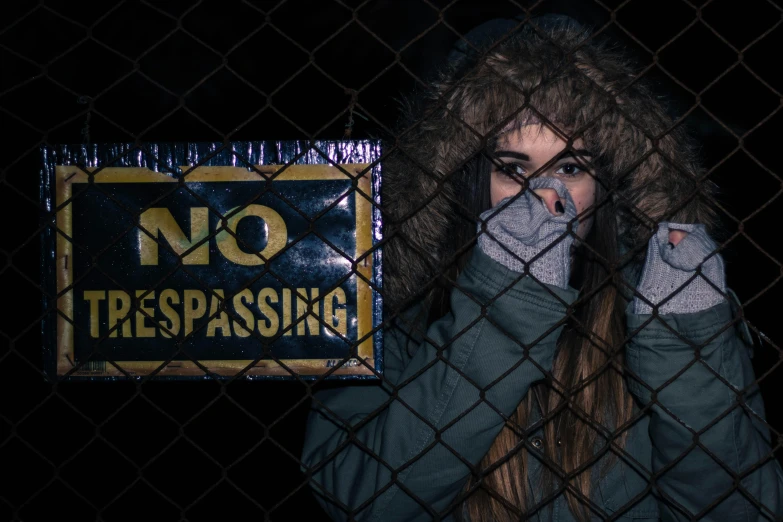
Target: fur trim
{"type": "Point", "coordinates": [580, 89]}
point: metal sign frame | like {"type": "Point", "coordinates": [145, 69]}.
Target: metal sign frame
{"type": "Point", "coordinates": [68, 169]}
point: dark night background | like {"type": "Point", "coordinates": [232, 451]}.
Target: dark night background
{"type": "Point", "coordinates": [253, 70]}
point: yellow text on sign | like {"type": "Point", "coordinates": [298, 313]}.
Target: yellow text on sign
{"type": "Point", "coordinates": [158, 221]}
{"type": "Point", "coordinates": [268, 312]}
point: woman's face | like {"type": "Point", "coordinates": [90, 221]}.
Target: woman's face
{"type": "Point", "coordinates": [527, 150]}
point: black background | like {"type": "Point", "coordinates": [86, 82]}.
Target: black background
{"type": "Point", "coordinates": [231, 70]}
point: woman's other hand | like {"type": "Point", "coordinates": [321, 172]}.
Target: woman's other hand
{"type": "Point", "coordinates": [674, 256]}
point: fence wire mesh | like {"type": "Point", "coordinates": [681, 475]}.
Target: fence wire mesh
{"type": "Point", "coordinates": [232, 70]}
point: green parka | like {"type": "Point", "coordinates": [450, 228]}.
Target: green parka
{"type": "Point", "coordinates": [403, 450]}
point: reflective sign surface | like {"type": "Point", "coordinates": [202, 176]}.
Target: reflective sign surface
{"type": "Point", "coordinates": [214, 267]}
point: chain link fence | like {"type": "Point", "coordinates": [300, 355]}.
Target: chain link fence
{"type": "Point", "coordinates": [234, 70]}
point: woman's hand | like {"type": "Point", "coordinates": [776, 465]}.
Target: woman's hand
{"type": "Point", "coordinates": [670, 279]}
{"type": "Point", "coordinates": [533, 232]}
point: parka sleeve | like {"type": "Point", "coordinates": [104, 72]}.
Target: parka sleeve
{"type": "Point", "coordinates": [693, 372]}
{"type": "Point", "coordinates": [403, 450]}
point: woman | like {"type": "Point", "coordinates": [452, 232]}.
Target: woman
{"type": "Point", "coordinates": [560, 344]}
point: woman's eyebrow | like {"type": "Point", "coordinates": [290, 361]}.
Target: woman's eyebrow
{"type": "Point", "coordinates": [576, 153]}
{"type": "Point", "coordinates": [512, 154]}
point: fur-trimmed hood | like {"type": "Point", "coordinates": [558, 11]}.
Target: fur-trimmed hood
{"type": "Point", "coordinates": [561, 77]}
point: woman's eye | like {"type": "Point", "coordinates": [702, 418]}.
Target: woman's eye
{"type": "Point", "coordinates": [515, 170]}
{"type": "Point", "coordinates": [570, 169]}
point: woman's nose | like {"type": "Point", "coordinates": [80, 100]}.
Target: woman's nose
{"type": "Point", "coordinates": [551, 200]}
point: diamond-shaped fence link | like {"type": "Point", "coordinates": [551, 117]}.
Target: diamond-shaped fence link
{"type": "Point", "coordinates": [503, 396]}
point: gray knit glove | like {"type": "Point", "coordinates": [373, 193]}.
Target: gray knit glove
{"type": "Point", "coordinates": [525, 227]}
{"type": "Point", "coordinates": [667, 268]}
